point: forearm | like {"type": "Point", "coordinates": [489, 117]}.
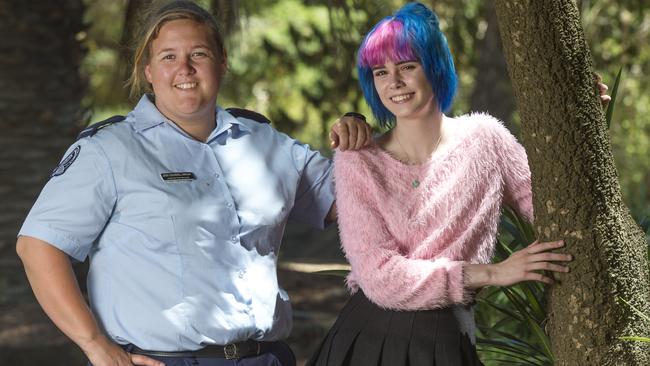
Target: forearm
{"type": "Point", "coordinates": [51, 277]}
{"type": "Point", "coordinates": [478, 275]}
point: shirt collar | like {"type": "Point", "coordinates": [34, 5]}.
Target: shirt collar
{"type": "Point", "coordinates": [226, 121]}
{"type": "Point", "coordinates": [146, 114]}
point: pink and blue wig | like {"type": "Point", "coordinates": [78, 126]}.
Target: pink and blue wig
{"type": "Point", "coordinates": [411, 34]}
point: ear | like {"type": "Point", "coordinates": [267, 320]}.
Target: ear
{"type": "Point", "coordinates": [147, 73]}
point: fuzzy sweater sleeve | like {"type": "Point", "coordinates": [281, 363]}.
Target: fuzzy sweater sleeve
{"type": "Point", "coordinates": [515, 171]}
{"type": "Point", "coordinates": [379, 267]}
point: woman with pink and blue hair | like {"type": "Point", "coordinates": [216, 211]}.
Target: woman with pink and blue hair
{"type": "Point", "coordinates": [418, 210]}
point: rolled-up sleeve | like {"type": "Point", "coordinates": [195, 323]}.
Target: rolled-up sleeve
{"type": "Point", "coordinates": [77, 201]}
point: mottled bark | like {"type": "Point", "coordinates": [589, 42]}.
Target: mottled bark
{"type": "Point", "coordinates": [576, 191]}
{"type": "Point", "coordinates": [40, 96]}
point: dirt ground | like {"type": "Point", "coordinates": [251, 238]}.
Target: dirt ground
{"type": "Point", "coordinates": [28, 338]}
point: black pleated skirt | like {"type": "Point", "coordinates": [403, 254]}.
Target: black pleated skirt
{"type": "Point", "coordinates": [366, 335]}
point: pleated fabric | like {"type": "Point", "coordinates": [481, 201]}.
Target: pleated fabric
{"type": "Point", "coordinates": [366, 335]}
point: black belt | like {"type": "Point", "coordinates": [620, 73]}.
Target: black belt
{"type": "Point", "coordinates": [231, 351]}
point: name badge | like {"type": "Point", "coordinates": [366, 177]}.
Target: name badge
{"type": "Point", "coordinates": [177, 176]}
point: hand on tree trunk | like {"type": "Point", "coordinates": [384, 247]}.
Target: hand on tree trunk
{"type": "Point", "coordinates": [523, 265]}
{"type": "Point", "coordinates": [526, 264]}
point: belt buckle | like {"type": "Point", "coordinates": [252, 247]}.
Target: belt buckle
{"type": "Point", "coordinates": [231, 352]}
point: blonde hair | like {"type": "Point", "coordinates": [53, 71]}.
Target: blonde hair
{"type": "Point", "coordinates": [158, 16]}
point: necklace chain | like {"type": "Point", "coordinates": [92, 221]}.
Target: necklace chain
{"type": "Point", "coordinates": [408, 157]}
{"type": "Point", "coordinates": [416, 182]}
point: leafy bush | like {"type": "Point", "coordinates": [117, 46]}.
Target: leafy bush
{"type": "Point", "coordinates": [511, 320]}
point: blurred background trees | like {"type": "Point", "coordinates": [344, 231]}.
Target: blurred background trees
{"type": "Point", "coordinates": [293, 61]}
{"type": "Point", "coordinates": [63, 64]}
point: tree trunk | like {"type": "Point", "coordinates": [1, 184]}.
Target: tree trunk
{"type": "Point", "coordinates": [576, 191]}
{"type": "Point", "coordinates": [40, 99]}
{"type": "Point", "coordinates": [227, 14]}
{"type": "Point", "coordinates": [133, 17]}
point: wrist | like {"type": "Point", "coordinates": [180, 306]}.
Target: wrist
{"type": "Point", "coordinates": [479, 275]}
{"type": "Point", "coordinates": [92, 342]}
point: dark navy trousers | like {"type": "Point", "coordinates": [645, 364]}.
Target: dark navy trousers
{"type": "Point", "coordinates": [281, 356]}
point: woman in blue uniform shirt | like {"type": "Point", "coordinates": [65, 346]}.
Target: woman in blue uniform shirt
{"type": "Point", "coordinates": [181, 207]}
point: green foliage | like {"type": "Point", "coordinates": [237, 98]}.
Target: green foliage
{"type": "Point", "coordinates": [102, 40]}
{"type": "Point", "coordinates": [610, 107]}
{"type": "Point", "coordinates": [618, 32]}
{"type": "Point", "coordinates": [637, 339]}
{"type": "Point", "coordinates": [335, 272]}
{"type": "Point", "coordinates": [644, 222]}
{"type": "Point", "coordinates": [301, 74]}
{"type": "Point", "coordinates": [511, 320]}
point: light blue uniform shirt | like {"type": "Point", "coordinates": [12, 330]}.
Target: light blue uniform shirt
{"type": "Point", "coordinates": [189, 260]}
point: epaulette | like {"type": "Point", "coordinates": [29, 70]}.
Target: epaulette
{"type": "Point", "coordinates": [92, 129]}
{"type": "Point", "coordinates": [248, 114]}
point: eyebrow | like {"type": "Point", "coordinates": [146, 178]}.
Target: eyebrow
{"type": "Point", "coordinates": [397, 64]}
{"type": "Point", "coordinates": [173, 49]}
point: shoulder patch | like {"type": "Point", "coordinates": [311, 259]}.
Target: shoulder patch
{"type": "Point", "coordinates": [66, 162]}
{"type": "Point", "coordinates": [92, 129]}
{"type": "Point", "coordinates": [248, 114]}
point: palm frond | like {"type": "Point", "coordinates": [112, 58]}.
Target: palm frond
{"type": "Point", "coordinates": [610, 107]}
{"type": "Point", "coordinates": [634, 338]}
{"type": "Point", "coordinates": [333, 272]}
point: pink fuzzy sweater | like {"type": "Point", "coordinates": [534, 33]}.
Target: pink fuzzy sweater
{"type": "Point", "coordinates": [407, 245]}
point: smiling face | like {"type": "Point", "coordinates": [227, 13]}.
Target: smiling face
{"type": "Point", "coordinates": [404, 89]}
{"type": "Point", "coordinates": [185, 71]}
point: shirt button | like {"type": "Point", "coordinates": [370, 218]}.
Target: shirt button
{"type": "Point", "coordinates": [242, 273]}
{"type": "Point", "coordinates": [228, 204]}
{"type": "Point", "coordinates": [216, 175]}
{"type": "Point", "coordinates": [233, 238]}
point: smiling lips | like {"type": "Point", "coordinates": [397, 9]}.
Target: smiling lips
{"type": "Point", "coordinates": [185, 86]}
{"type": "Point", "coordinates": [401, 98]}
